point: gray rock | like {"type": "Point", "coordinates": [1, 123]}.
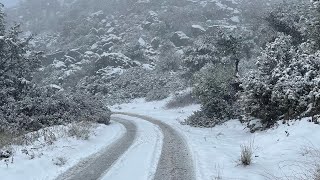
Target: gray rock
{"type": "Point", "coordinates": [107, 46]}
{"type": "Point", "coordinates": [155, 42]}
{"type": "Point", "coordinates": [179, 39]}
{"type": "Point", "coordinates": [197, 30]}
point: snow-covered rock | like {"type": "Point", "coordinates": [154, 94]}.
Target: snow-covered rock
{"type": "Point", "coordinates": [235, 19]}
{"type": "Point", "coordinates": [107, 46]}
{"type": "Point", "coordinates": [155, 42]}
{"type": "Point", "coordinates": [111, 38]}
{"type": "Point", "coordinates": [179, 38]}
{"type": "Point", "coordinates": [142, 42]}
{"type": "Point", "coordinates": [55, 87]}
{"type": "Point", "coordinates": [152, 17]}
{"type": "Point", "coordinates": [58, 64]}
{"type": "Point", "coordinates": [197, 30]}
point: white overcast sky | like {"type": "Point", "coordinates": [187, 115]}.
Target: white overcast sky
{"type": "Point", "coordinates": [8, 3]}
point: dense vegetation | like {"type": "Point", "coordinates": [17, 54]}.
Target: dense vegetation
{"type": "Point", "coordinates": [243, 58]}
{"type": "Point", "coordinates": [25, 106]}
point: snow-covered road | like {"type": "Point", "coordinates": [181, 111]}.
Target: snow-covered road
{"type": "Point", "coordinates": [148, 150]}
{"type": "Point", "coordinates": [175, 162]}
{"type": "Point", "coordinates": [93, 167]}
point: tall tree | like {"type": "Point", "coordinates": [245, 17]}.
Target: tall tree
{"type": "Point", "coordinates": [16, 63]}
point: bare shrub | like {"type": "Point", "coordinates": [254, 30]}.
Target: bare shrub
{"type": "Point", "coordinates": [80, 130]}
{"type": "Point", "coordinates": [5, 139]}
{"type": "Point", "coordinates": [181, 100]}
{"type": "Point", "coordinates": [246, 154]}
{"type": "Point", "coordinates": [316, 175]}
{"type": "Point", "coordinates": [59, 161]}
{"type": "Point", "coordinates": [219, 172]}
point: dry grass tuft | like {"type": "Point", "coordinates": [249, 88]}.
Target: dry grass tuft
{"type": "Point", "coordinates": [80, 130]}
{"type": "Point", "coordinates": [246, 154]}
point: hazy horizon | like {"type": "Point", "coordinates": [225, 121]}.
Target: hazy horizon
{"type": "Point", "coordinates": [9, 3]}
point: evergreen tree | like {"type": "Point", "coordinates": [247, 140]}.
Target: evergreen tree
{"type": "Point", "coordinates": [286, 84]}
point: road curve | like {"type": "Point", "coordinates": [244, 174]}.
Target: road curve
{"type": "Point", "coordinates": [175, 161]}
{"type": "Point", "coordinates": [93, 167]}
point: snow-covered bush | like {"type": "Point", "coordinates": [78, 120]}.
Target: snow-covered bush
{"type": "Point", "coordinates": [169, 59]}
{"type": "Point", "coordinates": [197, 56]}
{"type": "Point", "coordinates": [139, 82]}
{"type": "Point", "coordinates": [219, 46]}
{"type": "Point", "coordinates": [136, 82]}
{"type": "Point", "coordinates": [200, 119]}
{"type": "Point", "coordinates": [181, 100]}
{"type": "Point", "coordinates": [170, 62]}
{"type": "Point", "coordinates": [44, 107]}
{"type": "Point", "coordinates": [286, 84]}
{"type": "Point", "coordinates": [215, 90]}
{"type": "Point", "coordinates": [59, 161]}
{"type": "Point", "coordinates": [16, 67]}
{"type": "Point", "coordinates": [157, 94]}
{"type": "Point", "coordinates": [285, 24]}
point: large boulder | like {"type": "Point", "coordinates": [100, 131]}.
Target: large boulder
{"type": "Point", "coordinates": [155, 42]}
{"type": "Point", "coordinates": [179, 39]}
{"type": "Point", "coordinates": [107, 46]}
{"type": "Point", "coordinates": [152, 17]}
{"type": "Point", "coordinates": [197, 30]}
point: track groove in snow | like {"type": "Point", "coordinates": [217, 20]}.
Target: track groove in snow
{"type": "Point", "coordinates": [140, 161]}
{"type": "Point", "coordinates": [175, 162]}
{"type": "Point", "coordinates": [93, 167]}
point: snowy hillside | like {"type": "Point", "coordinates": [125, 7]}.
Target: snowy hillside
{"type": "Point", "coordinates": [160, 89]}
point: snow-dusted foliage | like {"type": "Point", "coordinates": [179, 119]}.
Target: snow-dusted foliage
{"type": "Point", "coordinates": [133, 83]}
{"type": "Point", "coordinates": [228, 46]}
{"type": "Point", "coordinates": [170, 59]}
{"type": "Point", "coordinates": [286, 84]}
{"type": "Point", "coordinates": [214, 64]}
{"type": "Point", "coordinates": [215, 90]}
{"type": "Point", "coordinates": [26, 106]}
{"type": "Point", "coordinates": [123, 50]}
{"type": "Point", "coordinates": [48, 106]}
{"type": "Point", "coordinates": [16, 64]}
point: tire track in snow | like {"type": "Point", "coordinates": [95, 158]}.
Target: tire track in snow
{"type": "Point", "coordinates": [94, 166]}
{"type": "Point", "coordinates": [140, 161]}
{"type": "Point", "coordinates": [175, 161]}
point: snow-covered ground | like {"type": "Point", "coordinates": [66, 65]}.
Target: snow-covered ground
{"type": "Point", "coordinates": [141, 159]}
{"type": "Point", "coordinates": [287, 151]}
{"type": "Point", "coordinates": [39, 162]}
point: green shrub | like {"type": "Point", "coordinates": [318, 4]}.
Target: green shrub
{"type": "Point", "coordinates": [181, 100]}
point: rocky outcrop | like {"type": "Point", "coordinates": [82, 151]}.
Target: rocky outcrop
{"type": "Point", "coordinates": [197, 30]}
{"type": "Point", "coordinates": [179, 39]}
